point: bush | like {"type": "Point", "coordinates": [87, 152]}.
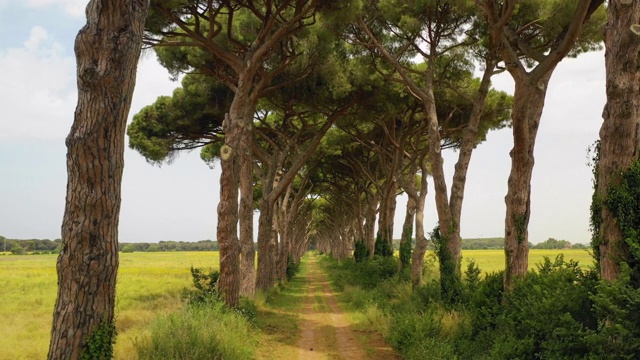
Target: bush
{"type": "Point", "coordinates": [361, 252]}
{"type": "Point", "coordinates": [617, 306]}
{"type": "Point", "coordinates": [292, 268]}
{"type": "Point", "coordinates": [127, 249]}
{"type": "Point", "coordinates": [548, 314]}
{"type": "Point", "coordinates": [206, 286]}
{"type": "Point", "coordinates": [199, 332]}
{"type": "Point", "coordinates": [18, 250]}
{"type": "Point", "coordinates": [366, 274]}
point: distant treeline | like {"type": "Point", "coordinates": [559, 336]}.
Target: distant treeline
{"type": "Point", "coordinates": [37, 246]}
{"type": "Point", "coordinates": [46, 246]}
{"type": "Point", "coordinates": [498, 243]}
{"type": "Point", "coordinates": [202, 245]}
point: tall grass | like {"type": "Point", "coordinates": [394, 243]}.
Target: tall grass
{"type": "Point", "coordinates": [199, 332]}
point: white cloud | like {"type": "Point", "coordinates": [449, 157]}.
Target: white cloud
{"type": "Point", "coordinates": [36, 88]}
{"type": "Point", "coordinates": [72, 7]}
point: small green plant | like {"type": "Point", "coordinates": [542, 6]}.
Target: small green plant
{"type": "Point", "coordinates": [206, 286]}
{"type": "Point", "coordinates": [99, 345]}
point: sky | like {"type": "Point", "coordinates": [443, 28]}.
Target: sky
{"type": "Point", "coordinates": [178, 201]}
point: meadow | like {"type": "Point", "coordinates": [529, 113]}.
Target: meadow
{"type": "Point", "coordinates": [149, 284]}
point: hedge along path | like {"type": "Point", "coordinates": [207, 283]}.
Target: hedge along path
{"type": "Point", "coordinates": [325, 332]}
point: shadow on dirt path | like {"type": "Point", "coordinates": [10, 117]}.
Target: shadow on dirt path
{"type": "Point", "coordinates": [305, 322]}
{"type": "Point", "coordinates": [324, 331]}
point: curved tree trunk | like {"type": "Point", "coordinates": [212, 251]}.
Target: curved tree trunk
{"type": "Point", "coordinates": [107, 51]}
{"type": "Point", "coordinates": [619, 134]}
{"type": "Point", "coordinates": [528, 102]}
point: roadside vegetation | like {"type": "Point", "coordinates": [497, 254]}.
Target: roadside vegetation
{"type": "Point", "coordinates": [560, 310]}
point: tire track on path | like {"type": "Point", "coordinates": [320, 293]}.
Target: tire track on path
{"type": "Point", "coordinates": [325, 331]}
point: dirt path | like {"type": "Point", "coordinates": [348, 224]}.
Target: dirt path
{"type": "Point", "coordinates": [325, 331]}
{"type": "Point", "coordinates": [305, 322]}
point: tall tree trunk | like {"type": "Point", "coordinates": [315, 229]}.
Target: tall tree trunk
{"type": "Point", "coordinates": [107, 51]}
{"type": "Point", "coordinates": [237, 128]}
{"type": "Point", "coordinates": [449, 229]}
{"type": "Point", "coordinates": [528, 102]}
{"type": "Point", "coordinates": [619, 134]}
{"type": "Point", "coordinates": [370, 224]}
{"type": "Point", "coordinates": [387, 212]}
{"type": "Point", "coordinates": [247, 252]}
{"type": "Point", "coordinates": [266, 261]}
{"type": "Point", "coordinates": [407, 233]}
{"type": "Point", "coordinates": [419, 251]}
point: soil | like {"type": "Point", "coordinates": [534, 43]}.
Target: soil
{"type": "Point", "coordinates": [325, 332]}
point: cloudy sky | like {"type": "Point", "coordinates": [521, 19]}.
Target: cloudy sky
{"type": "Point", "coordinates": [178, 201]}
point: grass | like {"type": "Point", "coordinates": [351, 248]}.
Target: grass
{"type": "Point", "coordinates": [493, 260]}
{"type": "Point", "coordinates": [148, 284]}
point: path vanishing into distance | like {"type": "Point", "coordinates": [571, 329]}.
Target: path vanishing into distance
{"type": "Point", "coordinates": [324, 330]}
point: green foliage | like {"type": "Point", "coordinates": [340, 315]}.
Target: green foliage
{"type": "Point", "coordinates": [405, 249]}
{"type": "Point", "coordinates": [99, 345]}
{"type": "Point", "coordinates": [559, 311]}
{"type": "Point", "coordinates": [617, 305]}
{"type": "Point", "coordinates": [382, 247]}
{"type": "Point", "coordinates": [205, 331]}
{"type": "Point", "coordinates": [127, 249]}
{"type": "Point", "coordinates": [18, 250]}
{"type": "Point", "coordinates": [547, 314]}
{"type": "Point", "coordinates": [450, 282]}
{"type": "Point", "coordinates": [552, 243]}
{"type": "Point", "coordinates": [623, 200]}
{"type": "Point", "coordinates": [292, 268]}
{"type": "Point", "coordinates": [366, 274]}
{"type": "Point", "coordinates": [361, 251]}
{"type": "Point", "coordinates": [484, 243]}
{"type": "Point", "coordinates": [190, 118]}
{"type": "Point", "coordinates": [206, 286]}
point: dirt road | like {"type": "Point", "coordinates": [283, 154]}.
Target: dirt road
{"type": "Point", "coordinates": [325, 332]}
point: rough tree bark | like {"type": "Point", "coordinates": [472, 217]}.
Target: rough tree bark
{"type": "Point", "coordinates": [107, 50]}
{"type": "Point", "coordinates": [528, 103]}
{"type": "Point", "coordinates": [245, 213]}
{"type": "Point", "coordinates": [527, 110]}
{"type": "Point", "coordinates": [620, 131]}
{"type": "Point", "coordinates": [238, 133]}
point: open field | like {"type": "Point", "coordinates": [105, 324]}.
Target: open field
{"type": "Point", "coordinates": [149, 284]}
{"type": "Point", "coordinates": [493, 260]}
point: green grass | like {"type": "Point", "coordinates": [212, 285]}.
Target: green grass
{"type": "Point", "coordinates": [493, 260]}
{"type": "Point", "coordinates": [148, 284]}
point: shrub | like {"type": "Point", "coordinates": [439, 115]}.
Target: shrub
{"type": "Point", "coordinates": [292, 268]}
{"type": "Point", "coordinates": [127, 249]}
{"type": "Point", "coordinates": [546, 315]}
{"type": "Point", "coordinates": [361, 252]}
{"type": "Point", "coordinates": [617, 305]}
{"type": "Point", "coordinates": [206, 286]}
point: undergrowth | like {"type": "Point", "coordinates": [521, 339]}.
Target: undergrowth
{"type": "Point", "coordinates": [559, 311]}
